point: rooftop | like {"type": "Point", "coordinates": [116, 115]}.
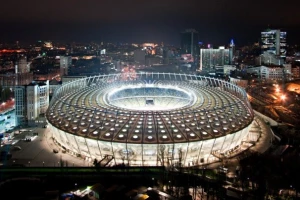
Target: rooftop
{"type": "Point", "coordinates": [82, 108]}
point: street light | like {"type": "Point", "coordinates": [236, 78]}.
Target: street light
{"type": "Point", "coordinates": [153, 181]}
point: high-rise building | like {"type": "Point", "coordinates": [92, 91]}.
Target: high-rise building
{"type": "Point", "coordinates": [30, 101]}
{"type": "Point", "coordinates": [274, 42]}
{"type": "Point", "coordinates": [189, 42]}
{"type": "Point", "coordinates": [65, 63]}
{"type": "Point", "coordinates": [209, 58]}
{"type": "Point", "coordinates": [20, 105]}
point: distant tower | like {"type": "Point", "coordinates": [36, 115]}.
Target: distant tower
{"type": "Point", "coordinates": [231, 51]}
{"type": "Point", "coordinates": [189, 42]}
{"type": "Point", "coordinates": [139, 56]}
{"type": "Point", "coordinates": [166, 57]}
{"type": "Point", "coordinates": [65, 63]}
{"type": "Point", "coordinates": [232, 43]}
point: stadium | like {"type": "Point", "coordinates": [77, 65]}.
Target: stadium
{"type": "Point", "coordinates": [151, 119]}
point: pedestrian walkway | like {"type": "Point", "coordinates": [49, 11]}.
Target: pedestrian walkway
{"type": "Point", "coordinates": [264, 142]}
{"type": "Point", "coordinates": [266, 136]}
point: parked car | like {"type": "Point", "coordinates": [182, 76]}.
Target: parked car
{"type": "Point", "coordinates": [16, 148]}
{"type": "Point", "coordinates": [55, 151]}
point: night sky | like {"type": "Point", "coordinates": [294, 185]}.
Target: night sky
{"type": "Point", "coordinates": [147, 21]}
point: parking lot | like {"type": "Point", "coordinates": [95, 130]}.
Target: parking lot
{"type": "Point", "coordinates": [39, 151]}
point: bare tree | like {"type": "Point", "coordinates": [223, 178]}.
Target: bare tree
{"type": "Point", "coordinates": [180, 154]}
{"type": "Point", "coordinates": [161, 154]}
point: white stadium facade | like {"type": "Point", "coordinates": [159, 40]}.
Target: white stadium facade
{"type": "Point", "coordinates": [151, 119]}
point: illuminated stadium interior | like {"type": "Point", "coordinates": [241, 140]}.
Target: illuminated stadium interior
{"type": "Point", "coordinates": [152, 119]}
{"type": "Point", "coordinates": [150, 97]}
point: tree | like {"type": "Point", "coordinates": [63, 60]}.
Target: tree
{"type": "Point", "coordinates": [180, 156]}
{"type": "Point", "coordinates": [96, 163]}
{"type": "Point", "coordinates": [161, 154]}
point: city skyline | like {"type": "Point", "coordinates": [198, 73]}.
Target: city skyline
{"type": "Point", "coordinates": [155, 21]}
